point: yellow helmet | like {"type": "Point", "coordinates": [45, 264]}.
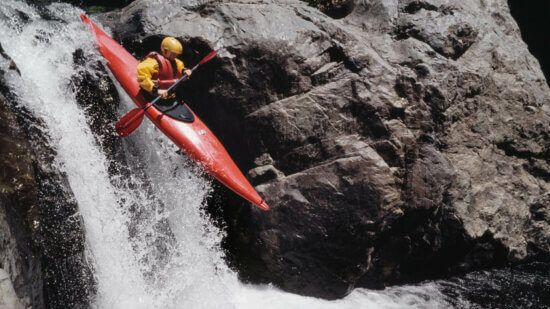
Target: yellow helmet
{"type": "Point", "coordinates": [171, 44]}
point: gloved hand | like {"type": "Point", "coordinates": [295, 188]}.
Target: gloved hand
{"type": "Point", "coordinates": [163, 93]}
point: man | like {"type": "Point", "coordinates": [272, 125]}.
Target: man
{"type": "Point", "coordinates": [157, 72]}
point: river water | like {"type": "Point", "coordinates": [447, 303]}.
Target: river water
{"type": "Point", "coordinates": [168, 256]}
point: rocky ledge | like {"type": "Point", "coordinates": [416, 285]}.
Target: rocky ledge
{"type": "Point", "coordinates": [395, 140]}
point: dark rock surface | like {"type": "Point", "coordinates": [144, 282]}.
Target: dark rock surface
{"type": "Point", "coordinates": [98, 97]}
{"type": "Point", "coordinates": [397, 141]}
{"type": "Point", "coordinates": [43, 249]}
{"type": "Point", "coordinates": [94, 5]}
{"type": "Point", "coordinates": [16, 255]}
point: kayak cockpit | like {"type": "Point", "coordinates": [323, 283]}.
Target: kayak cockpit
{"type": "Point", "coordinates": [175, 109]}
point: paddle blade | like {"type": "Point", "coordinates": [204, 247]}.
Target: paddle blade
{"type": "Point", "coordinates": [208, 57]}
{"type": "Point", "coordinates": [129, 122]}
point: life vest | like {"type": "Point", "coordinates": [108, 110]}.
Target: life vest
{"type": "Point", "coordinates": [168, 73]}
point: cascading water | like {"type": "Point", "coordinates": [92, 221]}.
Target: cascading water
{"type": "Point", "coordinates": [151, 248]}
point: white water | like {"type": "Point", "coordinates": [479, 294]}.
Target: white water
{"type": "Point", "coordinates": [191, 273]}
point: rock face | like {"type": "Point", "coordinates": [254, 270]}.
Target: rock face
{"type": "Point", "coordinates": [8, 298]}
{"type": "Point", "coordinates": [42, 239]}
{"type": "Point", "coordinates": [99, 5]}
{"type": "Point", "coordinates": [396, 140]}
{"type": "Point", "coordinates": [16, 255]}
{"type": "Point", "coordinates": [98, 97]}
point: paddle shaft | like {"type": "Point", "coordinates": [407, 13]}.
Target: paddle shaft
{"type": "Point", "coordinates": [172, 88]}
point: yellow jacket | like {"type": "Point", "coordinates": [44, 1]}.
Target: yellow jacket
{"type": "Point", "coordinates": [148, 69]}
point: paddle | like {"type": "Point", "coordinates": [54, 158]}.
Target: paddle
{"type": "Point", "coordinates": [131, 121]}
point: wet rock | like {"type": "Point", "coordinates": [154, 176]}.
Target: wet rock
{"type": "Point", "coordinates": [404, 132]}
{"type": "Point", "coordinates": [500, 288]}
{"type": "Point", "coordinates": [97, 95]}
{"type": "Point", "coordinates": [8, 298]}
{"type": "Point", "coordinates": [46, 255]}
{"type": "Point", "coordinates": [17, 197]}
{"type": "Point", "coordinates": [93, 5]}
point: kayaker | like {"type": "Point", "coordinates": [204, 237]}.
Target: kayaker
{"type": "Point", "coordinates": [157, 72]}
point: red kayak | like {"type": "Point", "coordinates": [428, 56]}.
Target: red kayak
{"type": "Point", "coordinates": [184, 128]}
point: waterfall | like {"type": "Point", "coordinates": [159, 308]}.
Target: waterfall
{"type": "Point", "coordinates": [148, 238]}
